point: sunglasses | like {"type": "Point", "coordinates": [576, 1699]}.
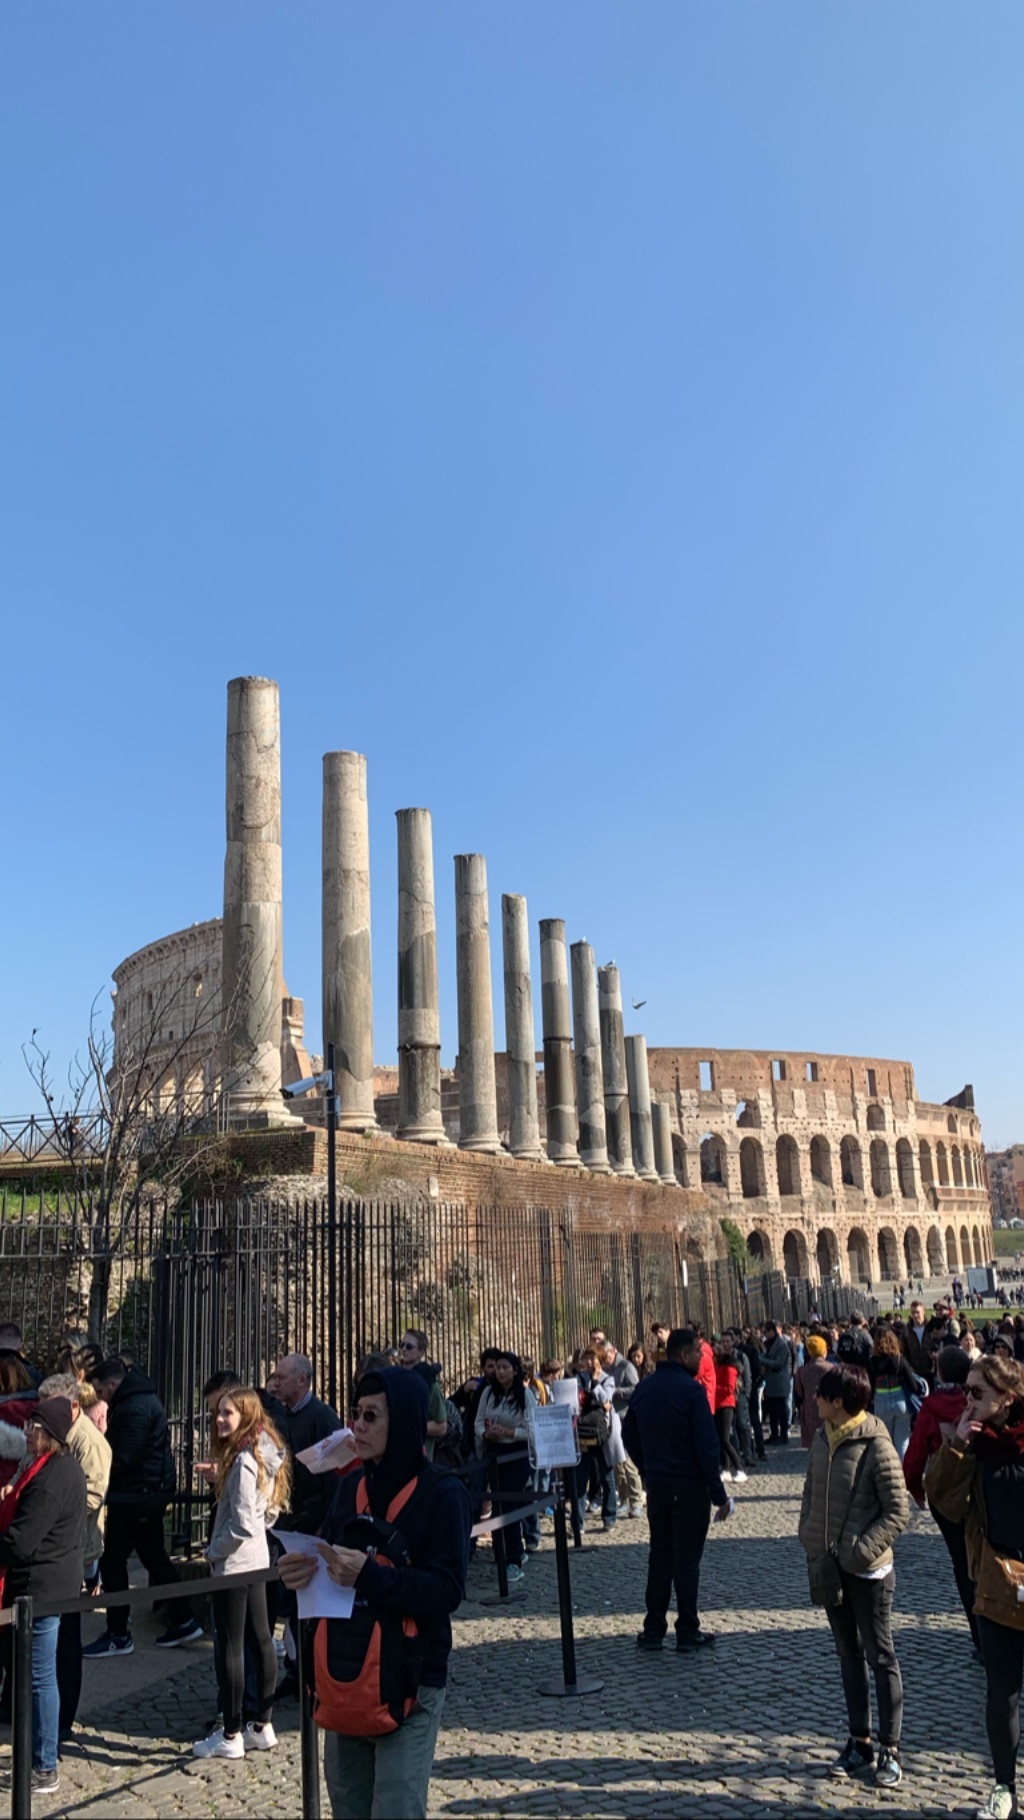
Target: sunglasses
{"type": "Point", "coordinates": [365, 1415]}
{"type": "Point", "coordinates": [408, 1346]}
{"type": "Point", "coordinates": [977, 1391]}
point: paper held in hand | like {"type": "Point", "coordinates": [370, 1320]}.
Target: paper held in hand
{"type": "Point", "coordinates": [552, 1438]}
{"type": "Point", "coordinates": [330, 1454]}
{"type": "Point", "coordinates": [323, 1597]}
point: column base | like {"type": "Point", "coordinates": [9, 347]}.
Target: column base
{"type": "Point", "coordinates": [423, 1134]}
{"type": "Point", "coordinates": [648, 1175]}
{"type": "Point", "coordinates": [599, 1165]}
{"type": "Point", "coordinates": [669, 1181]}
{"type": "Point", "coordinates": [359, 1127]}
{"type": "Point", "coordinates": [624, 1171]}
{"type": "Point", "coordinates": [482, 1146]}
{"type": "Point", "coordinates": [566, 1162]}
{"type": "Point", "coordinates": [530, 1156]}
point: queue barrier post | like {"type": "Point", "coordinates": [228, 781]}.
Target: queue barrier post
{"type": "Point", "coordinates": [21, 1713]}
{"type": "Point", "coordinates": [309, 1744]}
{"type": "Point", "coordinates": [571, 1685]}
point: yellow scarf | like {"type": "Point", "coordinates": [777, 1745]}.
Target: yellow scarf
{"type": "Point", "coordinates": [840, 1431]}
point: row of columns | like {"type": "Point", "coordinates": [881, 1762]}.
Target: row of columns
{"type": "Point", "coordinates": [599, 1112]}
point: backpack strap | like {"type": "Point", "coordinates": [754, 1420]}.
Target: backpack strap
{"type": "Point", "coordinates": [397, 1504]}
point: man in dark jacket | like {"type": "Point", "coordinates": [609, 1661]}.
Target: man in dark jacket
{"type": "Point", "coordinates": [670, 1432]}
{"type": "Point", "coordinates": [390, 1774]}
{"type": "Point", "coordinates": [141, 1487]}
{"type": "Point", "coordinates": [305, 1419]}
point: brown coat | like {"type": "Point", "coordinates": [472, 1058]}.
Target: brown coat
{"type": "Point", "coordinates": [953, 1483]}
{"type": "Point", "coordinates": [856, 1499]}
{"type": "Point", "coordinates": [805, 1384]}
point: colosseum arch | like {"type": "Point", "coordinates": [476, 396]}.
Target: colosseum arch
{"type": "Point", "coordinates": [787, 1164]}
{"type": "Point", "coordinates": [752, 1177]}
{"type": "Point", "coordinates": [942, 1164]}
{"type": "Point", "coordinates": [759, 1249]}
{"type": "Point", "coordinates": [680, 1160]}
{"type": "Point", "coordinates": [881, 1168]}
{"type": "Point", "coordinates": [888, 1254]}
{"type": "Point", "coordinates": [713, 1164]}
{"type": "Point", "coordinates": [905, 1169]}
{"type": "Point", "coordinates": [851, 1166]}
{"type": "Point", "coordinates": [794, 1251]}
{"type": "Point", "coordinates": [968, 1166]}
{"type": "Point", "coordinates": [821, 1161]}
{"type": "Point", "coordinates": [978, 1258]}
{"type": "Point", "coordinates": [965, 1248]}
{"type": "Point", "coordinates": [924, 1156]}
{"type": "Point", "coordinates": [876, 1118]}
{"type": "Point", "coordinates": [951, 1124]}
{"type": "Point", "coordinates": [858, 1253]}
{"type": "Point", "coordinates": [913, 1252]}
{"type": "Point", "coordinates": [958, 1174]}
{"type": "Point", "coordinates": [951, 1252]}
{"type": "Point", "coordinates": [936, 1261]}
{"type": "Point", "coordinates": [826, 1253]}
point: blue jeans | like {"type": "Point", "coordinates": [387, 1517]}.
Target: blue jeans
{"type": "Point", "coordinates": [45, 1699]}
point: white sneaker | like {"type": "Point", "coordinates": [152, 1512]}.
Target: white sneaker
{"type": "Point", "coordinates": [739, 1478]}
{"type": "Point", "coordinates": [259, 1737]}
{"type": "Point", "coordinates": [727, 1476]}
{"type": "Point", "coordinates": [1001, 1804]}
{"type": "Point", "coordinates": [635, 1510]}
{"type": "Point", "coordinates": [216, 1745]}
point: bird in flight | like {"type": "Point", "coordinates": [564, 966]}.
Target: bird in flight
{"type": "Point", "coordinates": [638, 1003]}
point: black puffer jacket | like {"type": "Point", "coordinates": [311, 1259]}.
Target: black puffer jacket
{"type": "Point", "coordinates": [142, 1471]}
{"type": "Point", "coordinates": [41, 1553]}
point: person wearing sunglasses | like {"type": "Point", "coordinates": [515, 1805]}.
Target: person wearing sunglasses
{"type": "Point", "coordinates": [977, 1478]}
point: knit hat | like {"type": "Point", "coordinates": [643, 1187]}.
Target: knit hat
{"type": "Point", "coordinates": [55, 1415]}
{"type": "Point", "coordinates": [816, 1347]}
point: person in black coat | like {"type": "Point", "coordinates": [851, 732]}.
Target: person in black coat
{"type": "Point", "coordinates": [303, 1420]}
{"type": "Point", "coordinates": [41, 1544]}
{"type": "Point", "coordinates": [142, 1484]}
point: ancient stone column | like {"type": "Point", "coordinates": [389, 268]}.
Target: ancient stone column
{"type": "Point", "coordinates": [560, 1099]}
{"type": "Point", "coordinates": [252, 979]}
{"type": "Point", "coordinates": [661, 1115]}
{"type": "Point", "coordinates": [613, 1067]}
{"type": "Point", "coordinates": [478, 1095]}
{"type": "Point", "coordinates": [586, 1023]}
{"type": "Point", "coordinates": [640, 1122]}
{"type": "Point", "coordinates": [419, 1023]}
{"type": "Point", "coordinates": [520, 1038]}
{"type": "Point", "coordinates": [347, 976]}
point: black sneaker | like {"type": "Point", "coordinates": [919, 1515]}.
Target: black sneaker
{"type": "Point", "coordinates": [45, 1781]}
{"type": "Point", "coordinates": [853, 1760]}
{"type": "Point", "coordinates": [187, 1631]}
{"type": "Point", "coordinates": [108, 1645]}
{"type": "Point", "coordinates": [694, 1639]}
{"type": "Point", "coordinates": [646, 1641]}
{"type": "Point", "coordinates": [889, 1770]}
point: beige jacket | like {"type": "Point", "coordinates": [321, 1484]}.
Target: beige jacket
{"type": "Point", "coordinates": [854, 1499]}
{"type": "Point", "coordinates": [92, 1451]}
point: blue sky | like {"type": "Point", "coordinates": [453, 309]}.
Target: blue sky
{"type": "Point", "coordinates": [607, 418]}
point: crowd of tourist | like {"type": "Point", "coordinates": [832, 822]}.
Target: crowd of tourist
{"type": "Point", "coordinates": [919, 1406]}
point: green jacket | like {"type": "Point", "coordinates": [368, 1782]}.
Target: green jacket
{"type": "Point", "coordinates": [855, 1499]}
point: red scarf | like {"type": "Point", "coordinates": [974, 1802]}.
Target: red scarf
{"type": "Point", "coordinates": [9, 1504]}
{"type": "Point", "coordinates": [1001, 1446]}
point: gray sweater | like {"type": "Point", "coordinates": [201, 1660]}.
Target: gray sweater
{"type": "Point", "coordinates": [238, 1544]}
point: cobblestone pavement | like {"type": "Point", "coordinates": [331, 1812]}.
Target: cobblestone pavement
{"type": "Point", "coordinates": [746, 1731]}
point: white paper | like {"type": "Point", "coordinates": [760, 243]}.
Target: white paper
{"type": "Point", "coordinates": [565, 1390]}
{"type": "Point", "coordinates": [323, 1597]}
{"type": "Point", "coordinates": [553, 1437]}
{"type": "Point", "coordinates": [332, 1452]}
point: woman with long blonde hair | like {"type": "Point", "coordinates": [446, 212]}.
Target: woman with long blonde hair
{"type": "Point", "coordinates": [252, 1480]}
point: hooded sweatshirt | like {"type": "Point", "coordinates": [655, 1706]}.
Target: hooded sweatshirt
{"type": "Point", "coordinates": [238, 1540]}
{"type": "Point", "coordinates": [435, 1525]}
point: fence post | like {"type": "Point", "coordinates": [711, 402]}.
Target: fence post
{"type": "Point", "coordinates": [571, 1684]}
{"type": "Point", "coordinates": [309, 1747]}
{"type": "Point", "coordinates": [21, 1714]}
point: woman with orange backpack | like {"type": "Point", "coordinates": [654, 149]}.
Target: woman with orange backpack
{"type": "Point", "coordinates": [398, 1532]}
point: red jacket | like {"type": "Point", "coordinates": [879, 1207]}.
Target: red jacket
{"type": "Point", "coordinates": [725, 1385]}
{"type": "Point", "coordinates": [942, 1406]}
{"type": "Point", "coordinates": [706, 1374]}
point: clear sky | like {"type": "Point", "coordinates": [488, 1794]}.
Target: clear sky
{"type": "Point", "coordinates": [608, 418]}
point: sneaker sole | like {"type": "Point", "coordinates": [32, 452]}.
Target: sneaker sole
{"type": "Point", "coordinates": [107, 1655]}
{"type": "Point", "coordinates": [175, 1642]}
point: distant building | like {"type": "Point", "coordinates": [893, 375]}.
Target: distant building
{"type": "Point", "coordinates": [1006, 1183]}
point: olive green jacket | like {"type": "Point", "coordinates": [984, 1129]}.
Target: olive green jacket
{"type": "Point", "coordinates": [855, 1500]}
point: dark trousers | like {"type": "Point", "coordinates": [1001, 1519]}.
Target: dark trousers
{"type": "Point", "coordinates": [678, 1521]}
{"type": "Point", "coordinates": [69, 1667]}
{"type": "Point", "coordinates": [132, 1531]}
{"type": "Point", "coordinates": [728, 1458]}
{"type": "Point", "coordinates": [953, 1536]}
{"type": "Point", "coordinates": [240, 1617]}
{"type": "Point", "coordinates": [252, 1659]}
{"type": "Point", "coordinates": [509, 1481]}
{"type": "Point", "coordinates": [862, 1632]}
{"type": "Point", "coordinates": [778, 1418]}
{"type": "Point", "coordinates": [1002, 1651]}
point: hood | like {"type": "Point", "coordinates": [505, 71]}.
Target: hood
{"type": "Point", "coordinates": [136, 1384]}
{"type": "Point", "coordinates": [427, 1372]}
{"type": "Point", "coordinates": [948, 1401]}
{"type": "Point", "coordinates": [12, 1442]}
{"type": "Point", "coordinates": [270, 1453]}
{"type": "Point", "coordinates": [408, 1401]}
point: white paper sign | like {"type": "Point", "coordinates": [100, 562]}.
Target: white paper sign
{"type": "Point", "coordinates": [565, 1390]}
{"type": "Point", "coordinates": [328, 1455]}
{"type": "Point", "coordinates": [552, 1434]}
{"type": "Point", "coordinates": [323, 1597]}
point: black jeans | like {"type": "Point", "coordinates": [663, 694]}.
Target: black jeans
{"type": "Point", "coordinates": [862, 1632]}
{"type": "Point", "coordinates": [678, 1520]}
{"type": "Point", "coordinates": [139, 1532]}
{"type": "Point", "coordinates": [953, 1536]}
{"type": "Point", "coordinates": [1002, 1651]}
{"type": "Point", "coordinates": [728, 1458]}
{"type": "Point", "coordinates": [240, 1618]}
{"type": "Point", "coordinates": [777, 1409]}
{"type": "Point", "coordinates": [69, 1667]}
{"type": "Point", "coordinates": [509, 1481]}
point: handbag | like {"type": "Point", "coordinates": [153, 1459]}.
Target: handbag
{"type": "Point", "coordinates": [999, 1588]}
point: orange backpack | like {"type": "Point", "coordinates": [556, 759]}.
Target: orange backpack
{"type": "Point", "coordinates": [367, 1667]}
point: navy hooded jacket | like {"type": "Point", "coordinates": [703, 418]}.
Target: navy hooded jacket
{"type": "Point", "coordinates": [670, 1433]}
{"type": "Point", "coordinates": [435, 1525]}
